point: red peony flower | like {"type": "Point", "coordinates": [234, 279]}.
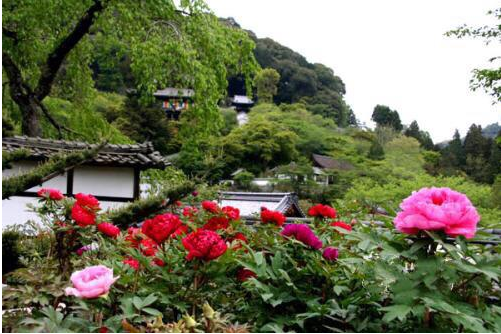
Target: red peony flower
{"type": "Point", "coordinates": [272, 217]}
{"type": "Point", "coordinates": [322, 211]}
{"type": "Point", "coordinates": [204, 244]}
{"type": "Point", "coordinates": [108, 229]}
{"type": "Point", "coordinates": [158, 262]}
{"type": "Point", "coordinates": [195, 193]}
{"type": "Point", "coordinates": [161, 227]}
{"type": "Point", "coordinates": [341, 225]}
{"type": "Point", "coordinates": [216, 223]}
{"type": "Point", "coordinates": [133, 236]}
{"type": "Point", "coordinates": [87, 201]}
{"type": "Point", "coordinates": [189, 211]}
{"type": "Point", "coordinates": [82, 216]}
{"type": "Point", "coordinates": [53, 194]}
{"type": "Point", "coordinates": [148, 247]}
{"type": "Point", "coordinates": [103, 329]}
{"type": "Point", "coordinates": [182, 230]}
{"type": "Point", "coordinates": [244, 274]}
{"type": "Point", "coordinates": [241, 238]}
{"type": "Point", "coordinates": [231, 212]}
{"type": "Point", "coordinates": [132, 262]}
{"type": "Point", "coordinates": [210, 206]}
{"type": "Point", "coordinates": [178, 203]}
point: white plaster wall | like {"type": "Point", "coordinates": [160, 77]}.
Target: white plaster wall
{"type": "Point", "coordinates": [104, 181]}
{"type": "Point", "coordinates": [14, 210]}
{"type": "Point", "coordinates": [58, 182]}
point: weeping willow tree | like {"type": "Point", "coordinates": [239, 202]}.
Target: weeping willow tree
{"type": "Point", "coordinates": [48, 46]}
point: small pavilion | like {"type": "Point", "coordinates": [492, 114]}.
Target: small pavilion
{"type": "Point", "coordinates": [175, 100]}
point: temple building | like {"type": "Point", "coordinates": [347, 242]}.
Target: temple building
{"type": "Point", "coordinates": [175, 100]}
{"type": "Point", "coordinates": [242, 106]}
{"type": "Point", "coordinates": [112, 176]}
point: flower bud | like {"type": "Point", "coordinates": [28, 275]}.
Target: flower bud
{"type": "Point", "coordinates": [208, 311]}
{"type": "Point", "coordinates": [189, 321]}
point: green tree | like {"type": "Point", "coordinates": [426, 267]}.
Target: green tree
{"type": "Point", "coordinates": [488, 79]}
{"type": "Point", "coordinates": [244, 180]}
{"type": "Point", "coordinates": [169, 43]}
{"type": "Point", "coordinates": [384, 116]}
{"type": "Point", "coordinates": [376, 151]}
{"type": "Point", "coordinates": [413, 131]}
{"type": "Point", "coordinates": [266, 82]}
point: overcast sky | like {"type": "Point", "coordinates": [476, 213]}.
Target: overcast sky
{"type": "Point", "coordinates": [389, 52]}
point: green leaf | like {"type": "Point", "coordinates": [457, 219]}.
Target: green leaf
{"type": "Point", "coordinates": [396, 311]}
{"type": "Point", "coordinates": [149, 300]}
{"type": "Point", "coordinates": [152, 311]}
{"type": "Point", "coordinates": [138, 303]}
{"type": "Point", "coordinates": [266, 296]}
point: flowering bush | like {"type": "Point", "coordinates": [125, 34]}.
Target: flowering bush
{"type": "Point", "coordinates": [168, 274]}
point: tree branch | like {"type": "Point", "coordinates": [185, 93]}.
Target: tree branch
{"type": "Point", "coordinates": [17, 87]}
{"type": "Point", "coordinates": [56, 58]}
{"type": "Point", "coordinates": [145, 207]}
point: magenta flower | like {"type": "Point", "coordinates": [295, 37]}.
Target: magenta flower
{"type": "Point", "coordinates": [91, 282]}
{"type": "Point", "coordinates": [303, 233]}
{"type": "Point", "coordinates": [441, 209]}
{"type": "Point", "coordinates": [330, 253]}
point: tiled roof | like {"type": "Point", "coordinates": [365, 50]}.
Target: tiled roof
{"type": "Point", "coordinates": [326, 162]}
{"type": "Point", "coordinates": [134, 155]}
{"type": "Point", "coordinates": [174, 92]}
{"type": "Point", "coordinates": [250, 203]}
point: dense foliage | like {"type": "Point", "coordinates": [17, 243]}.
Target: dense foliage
{"type": "Point", "coordinates": [197, 267]}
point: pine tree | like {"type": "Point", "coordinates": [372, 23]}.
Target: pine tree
{"type": "Point", "coordinates": [457, 151]}
{"type": "Point", "coordinates": [413, 131]}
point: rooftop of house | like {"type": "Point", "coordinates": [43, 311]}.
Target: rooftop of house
{"type": "Point", "coordinates": [174, 92]}
{"type": "Point", "coordinates": [142, 155]}
{"type": "Point", "coordinates": [241, 99]}
{"type": "Point", "coordinates": [326, 162]}
{"type": "Point", "coordinates": [250, 203]}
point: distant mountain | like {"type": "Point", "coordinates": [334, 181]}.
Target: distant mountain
{"type": "Point", "coordinates": [300, 81]}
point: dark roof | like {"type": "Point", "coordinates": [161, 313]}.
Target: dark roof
{"type": "Point", "coordinates": [326, 162]}
{"type": "Point", "coordinates": [174, 92]}
{"type": "Point", "coordinates": [250, 203]}
{"type": "Point", "coordinates": [136, 155]}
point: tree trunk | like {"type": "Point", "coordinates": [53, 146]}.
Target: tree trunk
{"type": "Point", "coordinates": [30, 110]}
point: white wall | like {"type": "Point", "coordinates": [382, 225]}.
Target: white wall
{"type": "Point", "coordinates": [14, 210]}
{"type": "Point", "coordinates": [98, 181]}
{"type": "Point", "coordinates": [104, 181]}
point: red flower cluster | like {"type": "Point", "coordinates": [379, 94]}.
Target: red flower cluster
{"type": "Point", "coordinates": [108, 229]}
{"type": "Point", "coordinates": [204, 244]}
{"type": "Point", "coordinates": [132, 262]}
{"type": "Point", "coordinates": [133, 236]}
{"type": "Point", "coordinates": [53, 194]}
{"type": "Point", "coordinates": [342, 225]}
{"type": "Point", "coordinates": [231, 212]}
{"type": "Point", "coordinates": [272, 217]}
{"type": "Point", "coordinates": [217, 223]}
{"type": "Point", "coordinates": [244, 274]}
{"type": "Point", "coordinates": [85, 209]}
{"type": "Point", "coordinates": [189, 211]}
{"type": "Point", "coordinates": [210, 206]}
{"type": "Point", "coordinates": [161, 227]}
{"type": "Point", "coordinates": [148, 247]}
{"type": "Point", "coordinates": [241, 238]}
{"type": "Point", "coordinates": [322, 211]}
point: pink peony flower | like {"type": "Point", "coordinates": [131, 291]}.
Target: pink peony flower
{"type": "Point", "coordinates": [303, 233]}
{"type": "Point", "coordinates": [91, 282]}
{"type": "Point", "coordinates": [438, 209]}
{"type": "Point", "coordinates": [330, 253]}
